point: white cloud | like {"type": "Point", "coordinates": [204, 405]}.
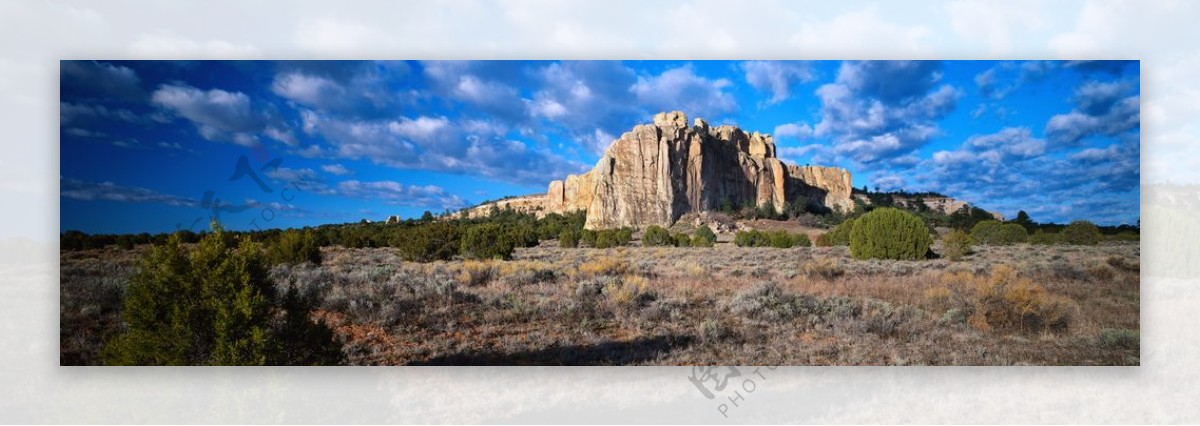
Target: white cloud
{"type": "Point", "coordinates": [100, 79]}
{"type": "Point", "coordinates": [598, 141]}
{"type": "Point", "coordinates": [799, 131]}
{"type": "Point", "coordinates": [1096, 97]}
{"type": "Point", "coordinates": [309, 121]}
{"type": "Point", "coordinates": [594, 98]}
{"type": "Point", "coordinates": [807, 154]}
{"type": "Point", "coordinates": [108, 191]}
{"type": "Point", "coordinates": [1006, 78]}
{"type": "Point", "coordinates": [217, 114]}
{"type": "Point", "coordinates": [680, 89]}
{"type": "Point", "coordinates": [304, 179]}
{"type": "Point", "coordinates": [83, 133]}
{"type": "Point", "coordinates": [1112, 119]}
{"type": "Point", "coordinates": [1006, 144]}
{"type": "Point", "coordinates": [953, 157]}
{"type": "Point", "coordinates": [282, 135]}
{"type": "Point", "coordinates": [887, 182]}
{"type": "Point", "coordinates": [425, 130]}
{"type": "Point", "coordinates": [471, 147]}
{"type": "Point", "coordinates": [397, 193]}
{"type": "Point", "coordinates": [496, 95]}
{"type": "Point", "coordinates": [979, 110]}
{"type": "Point", "coordinates": [472, 89]}
{"type": "Point", "coordinates": [548, 108]}
{"type": "Point", "coordinates": [336, 169]}
{"type": "Point", "coordinates": [310, 91]}
{"type": "Point", "coordinates": [778, 77]}
{"type": "Point", "coordinates": [75, 114]}
{"type": "Point", "coordinates": [1098, 154]}
{"type": "Point", "coordinates": [880, 111]}
{"type": "Point", "coordinates": [220, 115]}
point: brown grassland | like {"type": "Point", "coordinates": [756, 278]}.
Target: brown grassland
{"type": "Point", "coordinates": [1004, 305]}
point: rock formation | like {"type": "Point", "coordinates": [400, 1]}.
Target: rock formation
{"type": "Point", "coordinates": [658, 172]}
{"type": "Point", "coordinates": [940, 204]}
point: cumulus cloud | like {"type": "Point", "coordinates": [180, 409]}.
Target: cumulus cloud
{"type": "Point", "coordinates": [986, 160]}
{"type": "Point", "coordinates": [777, 77]}
{"type": "Point", "coordinates": [438, 144]}
{"type": "Point", "coordinates": [1008, 143]}
{"type": "Point", "coordinates": [890, 81]}
{"type": "Point", "coordinates": [1102, 109]}
{"type": "Point", "coordinates": [548, 108]}
{"type": "Point", "coordinates": [808, 154]}
{"type": "Point", "coordinates": [361, 89]}
{"type": "Point", "coordinates": [586, 101]}
{"type": "Point", "coordinates": [424, 130]}
{"type": "Point", "coordinates": [1095, 155]}
{"type": "Point", "coordinates": [84, 114]}
{"type": "Point", "coordinates": [487, 86]}
{"type": "Point", "coordinates": [108, 191]}
{"type": "Point", "coordinates": [598, 141]}
{"type": "Point", "coordinates": [282, 135]}
{"type": "Point", "coordinates": [799, 131]}
{"type": "Point", "coordinates": [681, 89]}
{"type": "Point", "coordinates": [83, 133]}
{"type": "Point", "coordinates": [1005, 78]}
{"type": "Point", "coordinates": [887, 182]}
{"type": "Point", "coordinates": [1012, 170]}
{"type": "Point", "coordinates": [304, 179]}
{"type": "Point", "coordinates": [336, 169]}
{"type": "Point", "coordinates": [488, 94]}
{"type": "Point", "coordinates": [880, 110]}
{"type": "Point", "coordinates": [217, 114]}
{"type": "Point", "coordinates": [307, 90]}
{"type": "Point", "coordinates": [590, 100]}
{"type": "Point", "coordinates": [100, 80]}
{"type": "Point", "coordinates": [399, 194]}
{"type": "Point", "coordinates": [1097, 97]}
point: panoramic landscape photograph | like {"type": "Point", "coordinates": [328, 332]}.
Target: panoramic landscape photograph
{"type": "Point", "coordinates": [683, 213]}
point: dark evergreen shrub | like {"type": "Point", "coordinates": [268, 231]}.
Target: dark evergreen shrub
{"type": "Point", "coordinates": [889, 233]}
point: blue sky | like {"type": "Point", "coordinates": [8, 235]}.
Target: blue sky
{"type": "Point", "coordinates": [158, 145]}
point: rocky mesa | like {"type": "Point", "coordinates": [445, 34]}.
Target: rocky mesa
{"type": "Point", "coordinates": [658, 172]}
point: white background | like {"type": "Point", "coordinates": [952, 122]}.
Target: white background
{"type": "Point", "coordinates": [34, 36]}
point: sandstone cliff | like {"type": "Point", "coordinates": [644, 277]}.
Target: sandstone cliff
{"type": "Point", "coordinates": [658, 172]}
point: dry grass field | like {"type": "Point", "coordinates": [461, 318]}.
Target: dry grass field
{"type": "Point", "coordinates": [727, 305]}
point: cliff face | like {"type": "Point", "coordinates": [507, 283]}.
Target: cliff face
{"type": "Point", "coordinates": [828, 186]}
{"type": "Point", "coordinates": [658, 172]}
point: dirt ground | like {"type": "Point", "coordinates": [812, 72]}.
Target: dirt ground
{"type": "Point", "coordinates": [1012, 305]}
